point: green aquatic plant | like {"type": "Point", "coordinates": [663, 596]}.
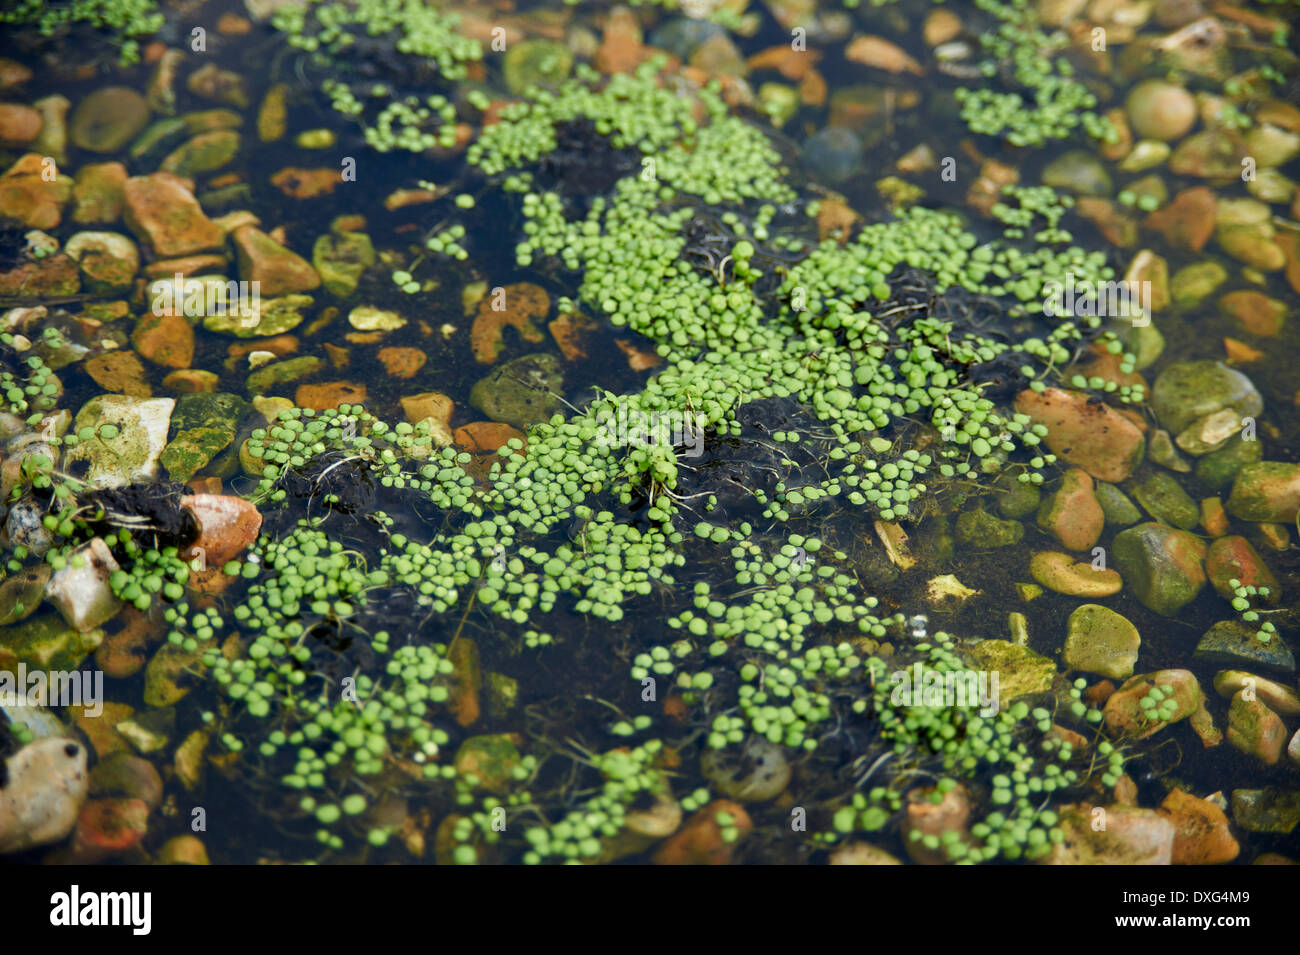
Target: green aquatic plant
{"type": "Point", "coordinates": [1243, 599]}
{"type": "Point", "coordinates": [1050, 102]}
{"type": "Point", "coordinates": [834, 366]}
{"type": "Point", "coordinates": [830, 385]}
{"type": "Point", "coordinates": [412, 44]}
{"type": "Point", "coordinates": [124, 20]}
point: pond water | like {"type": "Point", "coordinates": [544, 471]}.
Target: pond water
{"type": "Point", "coordinates": [710, 432]}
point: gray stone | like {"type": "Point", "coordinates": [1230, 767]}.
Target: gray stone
{"type": "Point", "coordinates": [80, 590]}
{"type": "Point", "coordinates": [1233, 643]}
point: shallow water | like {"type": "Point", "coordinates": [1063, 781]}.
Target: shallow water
{"type": "Point", "coordinates": [572, 693]}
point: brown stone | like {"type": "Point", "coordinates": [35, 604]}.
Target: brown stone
{"type": "Point", "coordinates": [28, 197]}
{"type": "Point", "coordinates": [466, 680]}
{"type": "Point", "coordinates": [278, 345]}
{"type": "Point", "coordinates": [1201, 833]}
{"type": "Point", "coordinates": [306, 183]}
{"type": "Point", "coordinates": [1234, 558]}
{"type": "Point", "coordinates": [124, 653]}
{"type": "Point", "coordinates": [119, 371]}
{"type": "Point", "coordinates": [1094, 437]}
{"type": "Point", "coordinates": [699, 841]}
{"type": "Point", "coordinates": [164, 340]}
{"type": "Point", "coordinates": [621, 49]}
{"type": "Point", "coordinates": [1214, 518]}
{"type": "Point", "coordinates": [329, 394]}
{"type": "Point", "coordinates": [51, 277]}
{"type": "Point", "coordinates": [231, 24]}
{"type": "Point", "coordinates": [1116, 225]}
{"type": "Point", "coordinates": [19, 124]}
{"type": "Point", "coordinates": [278, 270]}
{"type": "Point", "coordinates": [836, 219]}
{"type": "Point", "coordinates": [430, 404]}
{"type": "Point", "coordinates": [402, 362]}
{"type": "Point", "coordinates": [1188, 221]}
{"type": "Point", "coordinates": [1130, 836]}
{"type": "Point", "coordinates": [1289, 242]}
{"type": "Point", "coordinates": [1254, 312]}
{"type": "Point", "coordinates": [1124, 716]}
{"type": "Point", "coordinates": [515, 306]}
{"type": "Point", "coordinates": [161, 212]}
{"type": "Point", "coordinates": [191, 381]}
{"type": "Point", "coordinates": [13, 73]}
{"type": "Point", "coordinates": [228, 525]}
{"type": "Point", "coordinates": [1109, 367]}
{"type": "Point", "coordinates": [203, 264]}
{"type": "Point", "coordinates": [951, 814]}
{"type": "Point", "coordinates": [106, 828]}
{"type": "Point", "coordinates": [1072, 513]}
{"type": "Point", "coordinates": [791, 63]}
{"type": "Point", "coordinates": [637, 359]}
{"type": "Point", "coordinates": [482, 437]}
{"type": "Point", "coordinates": [879, 53]}
{"type": "Point", "coordinates": [570, 332]}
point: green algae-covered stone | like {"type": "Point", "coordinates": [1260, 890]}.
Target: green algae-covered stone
{"type": "Point", "coordinates": [536, 62]}
{"type": "Point", "coordinates": [1193, 284]}
{"type": "Point", "coordinates": [1101, 641]}
{"type": "Point", "coordinates": [275, 317]}
{"type": "Point", "coordinates": [282, 372]}
{"type": "Point", "coordinates": [1190, 390]}
{"type": "Point", "coordinates": [21, 593]}
{"type": "Point", "coordinates": [521, 392]}
{"type": "Point", "coordinates": [193, 449]}
{"type": "Point", "coordinates": [489, 759]}
{"type": "Point", "coordinates": [167, 678]}
{"type": "Point", "coordinates": [1217, 469]}
{"type": "Point", "coordinates": [981, 529]}
{"type": "Point", "coordinates": [206, 152]}
{"type": "Point", "coordinates": [1162, 566]}
{"type": "Point", "coordinates": [1021, 671]}
{"type": "Point", "coordinates": [1164, 498]}
{"type": "Point", "coordinates": [218, 409]}
{"type": "Point", "coordinates": [1115, 504]}
{"type": "Point", "coordinates": [1266, 491]}
{"type": "Point", "coordinates": [1019, 500]}
{"type": "Point", "coordinates": [47, 642]}
{"type": "Point", "coordinates": [340, 258]}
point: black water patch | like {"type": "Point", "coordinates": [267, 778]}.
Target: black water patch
{"type": "Point", "coordinates": [1000, 379]}
{"type": "Point", "coordinates": [336, 480]}
{"type": "Point", "coordinates": [733, 468]}
{"type": "Point", "coordinates": [13, 244]}
{"type": "Point", "coordinates": [584, 161]}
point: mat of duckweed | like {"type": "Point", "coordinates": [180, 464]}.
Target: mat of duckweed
{"type": "Point", "coordinates": [791, 536]}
